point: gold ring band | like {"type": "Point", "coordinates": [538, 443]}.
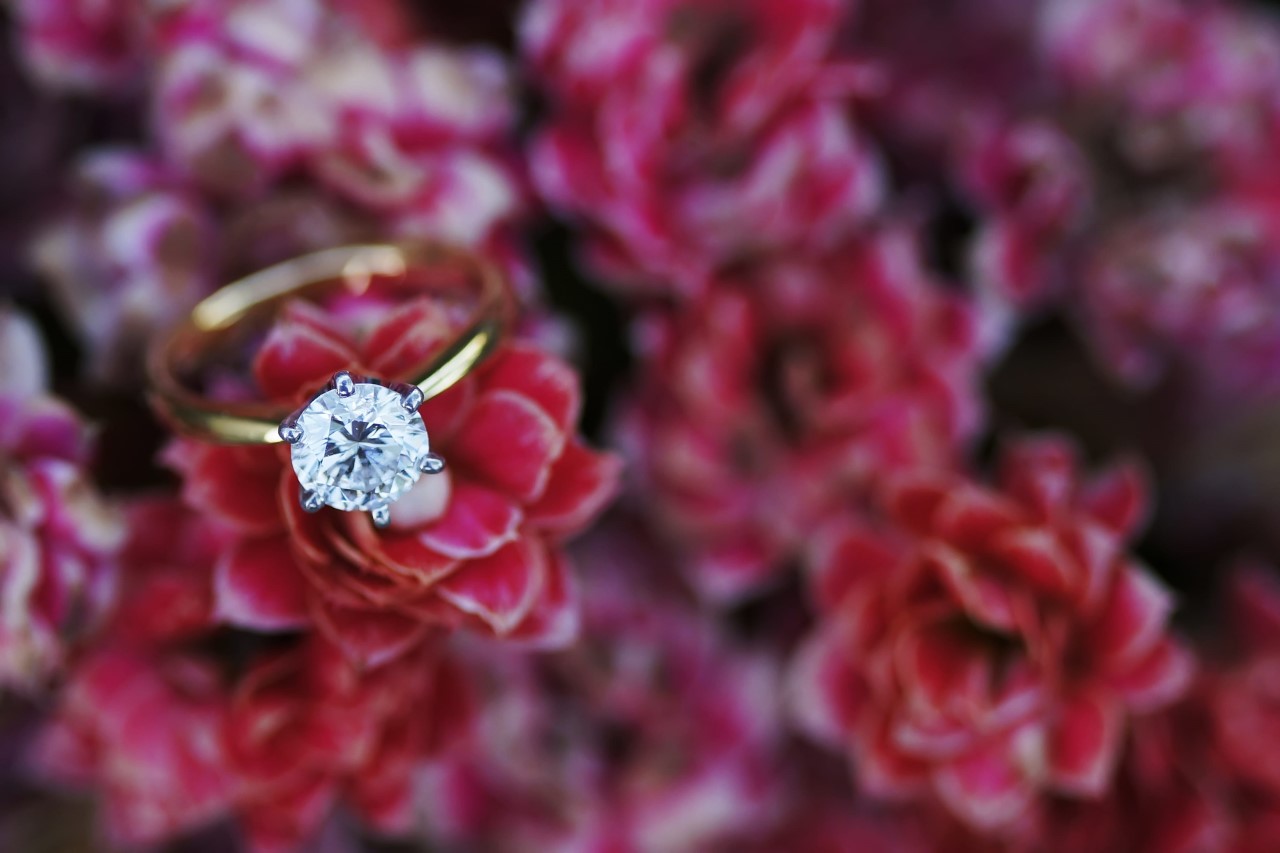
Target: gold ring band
{"type": "Point", "coordinates": [193, 414]}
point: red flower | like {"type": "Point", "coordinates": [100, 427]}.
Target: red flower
{"type": "Point", "coordinates": [655, 732]}
{"type": "Point", "coordinates": [145, 730]}
{"type": "Point", "coordinates": [58, 538]}
{"type": "Point", "coordinates": [996, 652]}
{"type": "Point", "coordinates": [1199, 775]}
{"type": "Point", "coordinates": [177, 723]}
{"type": "Point", "coordinates": [777, 397]}
{"type": "Point", "coordinates": [307, 730]}
{"type": "Point", "coordinates": [477, 545]}
{"type": "Point", "coordinates": [170, 746]}
{"type": "Point", "coordinates": [166, 574]}
{"type": "Point", "coordinates": [689, 134]}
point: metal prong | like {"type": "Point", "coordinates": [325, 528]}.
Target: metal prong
{"type": "Point", "coordinates": [344, 384]}
{"type": "Point", "coordinates": [311, 501]}
{"type": "Point", "coordinates": [381, 516]}
{"type": "Point", "coordinates": [290, 433]}
{"type": "Point", "coordinates": [432, 463]}
{"type": "Point", "coordinates": [412, 399]}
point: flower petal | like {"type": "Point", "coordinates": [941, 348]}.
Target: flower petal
{"type": "Point", "coordinates": [823, 690]}
{"type": "Point", "coordinates": [582, 482]}
{"type": "Point", "coordinates": [1132, 620]}
{"type": "Point", "coordinates": [499, 589]}
{"type": "Point", "coordinates": [983, 596]}
{"type": "Point", "coordinates": [1117, 499]}
{"type": "Point", "coordinates": [1157, 679]}
{"type": "Point", "coordinates": [912, 500]}
{"type": "Point", "coordinates": [257, 585]}
{"type": "Point", "coordinates": [235, 484]}
{"type": "Point", "coordinates": [985, 789]}
{"type": "Point", "coordinates": [299, 355]}
{"type": "Point", "coordinates": [539, 376]}
{"type": "Point", "coordinates": [555, 619]}
{"type": "Point", "coordinates": [369, 638]}
{"type": "Point", "coordinates": [407, 337]}
{"type": "Point", "coordinates": [510, 442]}
{"type": "Point", "coordinates": [477, 523]}
{"type": "Point", "coordinates": [1084, 744]}
{"type": "Point", "coordinates": [1035, 555]}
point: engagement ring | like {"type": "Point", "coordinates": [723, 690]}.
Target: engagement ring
{"type": "Point", "coordinates": [359, 443]}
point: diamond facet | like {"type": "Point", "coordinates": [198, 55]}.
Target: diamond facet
{"type": "Point", "coordinates": [359, 450]}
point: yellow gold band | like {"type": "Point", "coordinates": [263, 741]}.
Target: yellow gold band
{"type": "Point", "coordinates": [353, 267]}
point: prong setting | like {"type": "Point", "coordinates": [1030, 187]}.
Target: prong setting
{"type": "Point", "coordinates": [358, 445]}
{"type": "Point", "coordinates": [412, 399]}
{"type": "Point", "coordinates": [311, 501]}
{"type": "Point", "coordinates": [432, 463]}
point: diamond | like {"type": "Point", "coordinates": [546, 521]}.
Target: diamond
{"type": "Point", "coordinates": [360, 448]}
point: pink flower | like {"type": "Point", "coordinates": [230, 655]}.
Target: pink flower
{"type": "Point", "coordinates": [129, 257]}
{"type": "Point", "coordinates": [307, 730]}
{"type": "Point", "coordinates": [81, 45]}
{"type": "Point", "coordinates": [253, 92]}
{"type": "Point", "coordinates": [655, 732]}
{"type": "Point", "coordinates": [1177, 80]}
{"type": "Point", "coordinates": [477, 546]}
{"type": "Point", "coordinates": [58, 538]}
{"type": "Point", "coordinates": [173, 733]}
{"type": "Point", "coordinates": [1032, 182]}
{"type": "Point", "coordinates": [783, 394]}
{"type": "Point", "coordinates": [1196, 288]}
{"type": "Point", "coordinates": [145, 731]}
{"type": "Point", "coordinates": [420, 137]}
{"type": "Point", "coordinates": [995, 653]}
{"type": "Point", "coordinates": [230, 110]}
{"type": "Point", "coordinates": [166, 576]}
{"type": "Point", "coordinates": [1198, 776]}
{"type": "Point", "coordinates": [686, 135]}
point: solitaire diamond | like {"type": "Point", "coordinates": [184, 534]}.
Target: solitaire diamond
{"type": "Point", "coordinates": [359, 446]}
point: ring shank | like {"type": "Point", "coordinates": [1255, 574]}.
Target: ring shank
{"type": "Point", "coordinates": [232, 422]}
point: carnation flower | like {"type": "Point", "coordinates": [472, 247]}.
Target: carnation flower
{"type": "Point", "coordinates": [477, 545]}
{"type": "Point", "coordinates": [58, 538]}
{"type": "Point", "coordinates": [654, 732]}
{"type": "Point", "coordinates": [130, 256]}
{"type": "Point", "coordinates": [994, 652]}
{"type": "Point", "coordinates": [779, 396]}
{"type": "Point", "coordinates": [688, 135]}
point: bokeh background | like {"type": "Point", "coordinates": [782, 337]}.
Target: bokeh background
{"type": "Point", "coordinates": [814, 266]}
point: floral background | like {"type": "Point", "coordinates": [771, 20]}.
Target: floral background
{"type": "Point", "coordinates": [887, 457]}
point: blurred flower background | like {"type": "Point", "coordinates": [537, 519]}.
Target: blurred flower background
{"type": "Point", "coordinates": [887, 456]}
